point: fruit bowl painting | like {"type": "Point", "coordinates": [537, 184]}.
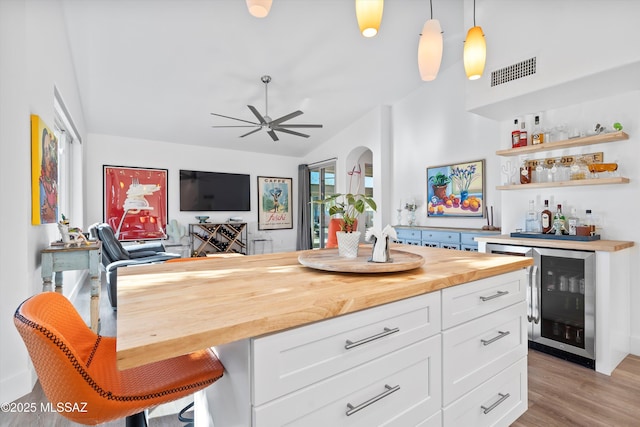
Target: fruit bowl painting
{"type": "Point", "coordinates": [456, 190]}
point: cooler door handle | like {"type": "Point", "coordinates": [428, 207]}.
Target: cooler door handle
{"type": "Point", "coordinates": [536, 317]}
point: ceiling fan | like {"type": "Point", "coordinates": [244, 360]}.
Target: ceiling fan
{"type": "Point", "coordinates": [265, 122]}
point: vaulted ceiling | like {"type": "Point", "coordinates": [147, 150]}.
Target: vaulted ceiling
{"type": "Point", "coordinates": [156, 69]}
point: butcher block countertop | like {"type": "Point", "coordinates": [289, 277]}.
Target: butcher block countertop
{"type": "Point", "coordinates": [169, 309]}
{"type": "Point", "coordinates": [595, 245]}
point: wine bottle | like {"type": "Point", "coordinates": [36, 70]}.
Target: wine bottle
{"type": "Point", "coordinates": [524, 138]}
{"type": "Point", "coordinates": [559, 221]}
{"type": "Point", "coordinates": [545, 218]}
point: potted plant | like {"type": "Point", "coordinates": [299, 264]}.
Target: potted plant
{"type": "Point", "coordinates": [439, 184]}
{"type": "Point", "coordinates": [348, 207]}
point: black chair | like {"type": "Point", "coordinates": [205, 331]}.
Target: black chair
{"type": "Point", "coordinates": [114, 256]}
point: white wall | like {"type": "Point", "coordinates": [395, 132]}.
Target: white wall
{"type": "Point", "coordinates": [111, 150]}
{"type": "Point", "coordinates": [34, 56]}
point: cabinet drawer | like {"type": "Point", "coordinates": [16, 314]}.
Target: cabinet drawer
{"type": "Point", "coordinates": [289, 360]}
{"type": "Point", "coordinates": [488, 405]}
{"type": "Point", "coordinates": [474, 299]}
{"type": "Point", "coordinates": [467, 238]}
{"type": "Point", "coordinates": [408, 233]}
{"type": "Point", "coordinates": [476, 351]}
{"type": "Point", "coordinates": [441, 236]}
{"type": "Point", "coordinates": [405, 382]}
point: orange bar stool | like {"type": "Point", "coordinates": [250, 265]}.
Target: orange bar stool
{"type": "Point", "coordinates": [77, 368]}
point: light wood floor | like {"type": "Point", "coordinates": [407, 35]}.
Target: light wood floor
{"type": "Point", "coordinates": [560, 393]}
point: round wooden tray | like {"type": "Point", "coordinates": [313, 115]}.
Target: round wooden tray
{"type": "Point", "coordinates": [328, 260]}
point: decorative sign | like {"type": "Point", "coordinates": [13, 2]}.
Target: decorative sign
{"type": "Point", "coordinates": [274, 203]}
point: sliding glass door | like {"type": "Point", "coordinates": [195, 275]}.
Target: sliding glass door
{"type": "Point", "coordinates": [322, 183]}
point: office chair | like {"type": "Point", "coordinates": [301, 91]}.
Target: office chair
{"type": "Point", "coordinates": [76, 366]}
{"type": "Point", "coordinates": [114, 256]}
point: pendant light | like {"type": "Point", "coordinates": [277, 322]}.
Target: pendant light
{"type": "Point", "coordinates": [475, 50]}
{"type": "Point", "coordinates": [259, 8]}
{"type": "Point", "coordinates": [369, 15]}
{"type": "Point", "coordinates": [430, 48]}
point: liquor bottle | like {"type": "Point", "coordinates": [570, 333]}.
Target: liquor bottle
{"type": "Point", "coordinates": [545, 218]}
{"type": "Point", "coordinates": [525, 172]}
{"type": "Point", "coordinates": [515, 134]}
{"type": "Point", "coordinates": [559, 221]}
{"type": "Point", "coordinates": [537, 136]}
{"type": "Point", "coordinates": [531, 220]}
{"type": "Point", "coordinates": [573, 222]}
{"type": "Point", "coordinates": [524, 138]}
{"type": "Point", "coordinates": [589, 222]}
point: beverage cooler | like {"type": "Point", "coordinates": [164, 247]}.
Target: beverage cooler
{"type": "Point", "coordinates": [561, 301]}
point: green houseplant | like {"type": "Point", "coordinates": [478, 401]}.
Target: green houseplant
{"type": "Point", "coordinates": [349, 206]}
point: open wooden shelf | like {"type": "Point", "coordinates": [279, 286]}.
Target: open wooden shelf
{"type": "Point", "coordinates": [574, 183]}
{"type": "Point", "coordinates": [567, 143]}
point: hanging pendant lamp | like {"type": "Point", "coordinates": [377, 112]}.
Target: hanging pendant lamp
{"type": "Point", "coordinates": [475, 50]}
{"type": "Point", "coordinates": [369, 15]}
{"type": "Point", "coordinates": [430, 49]}
{"type": "Point", "coordinates": [259, 8]}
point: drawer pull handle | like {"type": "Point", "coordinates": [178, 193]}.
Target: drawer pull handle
{"type": "Point", "coordinates": [503, 397]}
{"type": "Point", "coordinates": [388, 390]}
{"type": "Point", "coordinates": [350, 344]}
{"type": "Point", "coordinates": [494, 339]}
{"type": "Point", "coordinates": [497, 295]}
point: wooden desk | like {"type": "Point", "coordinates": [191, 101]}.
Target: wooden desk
{"type": "Point", "coordinates": [165, 310]}
{"type": "Point", "coordinates": [59, 258]}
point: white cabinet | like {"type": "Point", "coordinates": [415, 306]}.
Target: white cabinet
{"type": "Point", "coordinates": [432, 360]}
{"type": "Point", "coordinates": [374, 367]}
{"type": "Point", "coordinates": [484, 348]}
{"type": "Point", "coordinates": [290, 360]}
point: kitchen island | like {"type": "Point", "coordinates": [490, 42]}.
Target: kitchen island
{"type": "Point", "coordinates": [295, 341]}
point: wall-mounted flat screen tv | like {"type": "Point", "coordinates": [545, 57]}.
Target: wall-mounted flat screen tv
{"type": "Point", "coordinates": [214, 191]}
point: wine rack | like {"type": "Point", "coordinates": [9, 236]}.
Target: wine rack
{"type": "Point", "coordinates": [209, 238]}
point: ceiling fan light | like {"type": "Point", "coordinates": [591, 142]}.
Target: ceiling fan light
{"type": "Point", "coordinates": [430, 50]}
{"type": "Point", "coordinates": [369, 15]}
{"type": "Point", "coordinates": [259, 8]}
{"type": "Point", "coordinates": [475, 53]}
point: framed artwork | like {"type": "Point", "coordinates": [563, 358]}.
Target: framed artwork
{"type": "Point", "coordinates": [135, 202]}
{"type": "Point", "coordinates": [44, 173]}
{"type": "Point", "coordinates": [274, 203]}
{"type": "Point", "coordinates": [456, 190]}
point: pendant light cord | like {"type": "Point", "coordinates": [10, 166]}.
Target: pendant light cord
{"type": "Point", "coordinates": [474, 13]}
{"type": "Point", "coordinates": [431, 6]}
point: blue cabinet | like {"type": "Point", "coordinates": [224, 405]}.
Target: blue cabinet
{"type": "Point", "coordinates": [440, 238]}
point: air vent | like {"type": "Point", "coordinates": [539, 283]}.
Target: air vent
{"type": "Point", "coordinates": [513, 72]}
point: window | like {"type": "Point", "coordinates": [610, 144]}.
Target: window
{"type": "Point", "coordinates": [322, 181]}
{"type": "Point", "coordinates": [70, 171]}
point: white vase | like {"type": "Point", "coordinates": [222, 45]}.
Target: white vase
{"type": "Point", "coordinates": [348, 243]}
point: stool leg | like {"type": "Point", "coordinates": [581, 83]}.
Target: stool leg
{"type": "Point", "coordinates": [137, 420]}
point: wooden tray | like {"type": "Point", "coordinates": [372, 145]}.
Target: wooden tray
{"type": "Point", "coordinates": [328, 260]}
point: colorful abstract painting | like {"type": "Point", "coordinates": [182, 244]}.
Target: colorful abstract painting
{"type": "Point", "coordinates": [135, 202]}
{"type": "Point", "coordinates": [44, 173]}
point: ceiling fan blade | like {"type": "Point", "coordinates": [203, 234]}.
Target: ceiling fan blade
{"type": "Point", "coordinates": [234, 118]}
{"type": "Point", "coordinates": [292, 132]}
{"type": "Point", "coordinates": [273, 135]}
{"type": "Point", "coordinates": [238, 126]}
{"type": "Point", "coordinates": [299, 126]}
{"type": "Point", "coordinates": [287, 117]}
{"type": "Point", "coordinates": [258, 115]}
{"type": "Point", "coordinates": [249, 133]}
